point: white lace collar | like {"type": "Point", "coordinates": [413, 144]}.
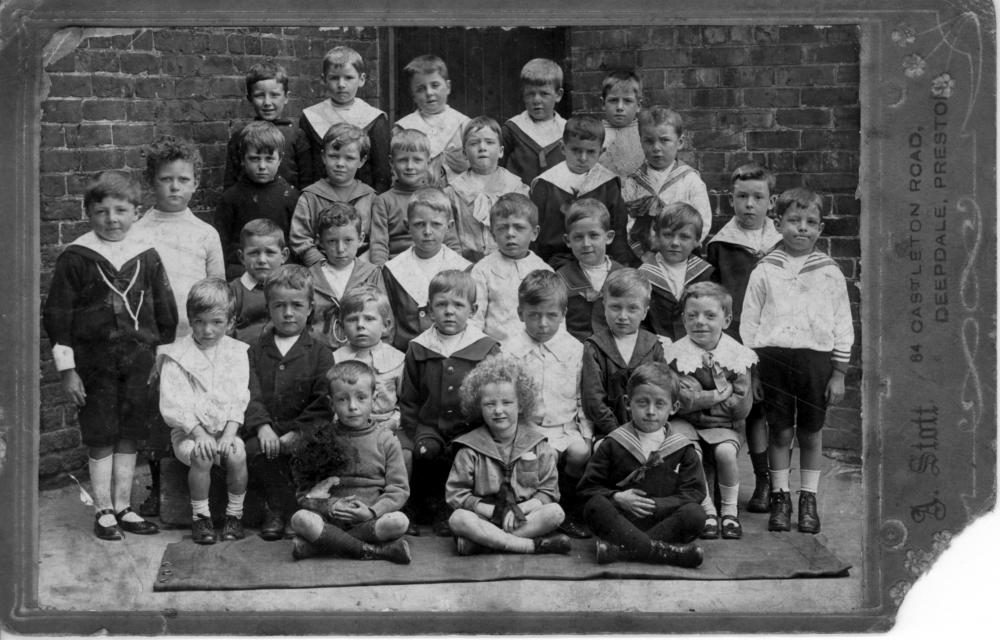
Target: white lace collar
{"type": "Point", "coordinates": [729, 354]}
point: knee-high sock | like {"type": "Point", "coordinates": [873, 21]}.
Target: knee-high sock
{"type": "Point", "coordinates": [124, 471]}
{"type": "Point", "coordinates": [100, 481]}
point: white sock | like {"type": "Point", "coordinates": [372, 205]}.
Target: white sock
{"type": "Point", "coordinates": [124, 471]}
{"type": "Point", "coordinates": [200, 508]}
{"type": "Point", "coordinates": [810, 479]}
{"type": "Point", "coordinates": [100, 484]}
{"type": "Point", "coordinates": [709, 506]}
{"type": "Point", "coordinates": [779, 480]}
{"type": "Point", "coordinates": [235, 505]}
{"type": "Point", "coordinates": [729, 496]}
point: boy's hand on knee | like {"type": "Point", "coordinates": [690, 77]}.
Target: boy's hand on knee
{"type": "Point", "coordinates": [204, 446]}
{"type": "Point", "coordinates": [635, 502]}
{"type": "Point", "coordinates": [226, 445]}
{"type": "Point", "coordinates": [73, 387]}
{"type": "Point", "coordinates": [835, 388]}
{"type": "Point", "coordinates": [269, 442]}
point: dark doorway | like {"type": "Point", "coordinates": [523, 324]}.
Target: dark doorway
{"type": "Point", "coordinates": [484, 65]}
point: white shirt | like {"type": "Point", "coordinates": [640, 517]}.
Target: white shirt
{"type": "Point", "coordinates": [626, 345]}
{"type": "Point", "coordinates": [650, 442]}
{"type": "Point", "coordinates": [285, 343]}
{"type": "Point", "coordinates": [337, 278]}
{"type": "Point", "coordinates": [597, 275]}
{"type": "Point", "coordinates": [497, 279]}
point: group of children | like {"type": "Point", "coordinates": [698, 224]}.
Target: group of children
{"type": "Point", "coordinates": [451, 322]}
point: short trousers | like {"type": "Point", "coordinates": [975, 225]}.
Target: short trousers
{"type": "Point", "coordinates": [561, 436]}
{"type": "Point", "coordinates": [118, 399]}
{"type": "Point", "coordinates": [794, 382]}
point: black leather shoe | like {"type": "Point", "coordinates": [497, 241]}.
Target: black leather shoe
{"type": "Point", "coordinates": [232, 529]}
{"type": "Point", "coordinates": [553, 543]}
{"type": "Point", "coordinates": [808, 518]}
{"type": "Point", "coordinates": [142, 527]}
{"type": "Point", "coordinates": [106, 533]}
{"type": "Point", "coordinates": [202, 531]}
{"type": "Point", "coordinates": [607, 552]}
{"type": "Point", "coordinates": [574, 529]}
{"type": "Point", "coordinates": [273, 527]}
{"type": "Point", "coordinates": [731, 528]}
{"type": "Point", "coordinates": [687, 555]}
{"type": "Point", "coordinates": [759, 501]}
{"type": "Point", "coordinates": [781, 512]}
{"type": "Point", "coordinates": [711, 529]}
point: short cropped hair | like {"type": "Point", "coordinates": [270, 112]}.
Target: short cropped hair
{"type": "Point", "coordinates": [619, 78]}
{"type": "Point", "coordinates": [585, 208]}
{"type": "Point", "coordinates": [657, 374]}
{"type": "Point", "coordinates": [492, 370]}
{"type": "Point", "coordinates": [712, 290]}
{"type": "Point", "coordinates": [409, 141]}
{"type": "Point", "coordinates": [350, 372]}
{"type": "Point", "coordinates": [112, 184]}
{"type": "Point", "coordinates": [340, 56]}
{"type": "Point", "coordinates": [656, 115]}
{"type": "Point", "coordinates": [627, 282]}
{"type": "Point", "coordinates": [514, 205]}
{"type": "Point", "coordinates": [801, 198]}
{"type": "Point", "coordinates": [342, 134]}
{"type": "Point", "coordinates": [426, 64]}
{"type": "Point", "coordinates": [262, 227]}
{"type": "Point", "coordinates": [169, 149]}
{"type": "Point", "coordinates": [355, 300]}
{"type": "Point", "coordinates": [431, 198]}
{"type": "Point", "coordinates": [261, 135]}
{"type": "Point", "coordinates": [452, 281]}
{"type": "Point", "coordinates": [541, 286]}
{"type": "Point", "coordinates": [337, 214]}
{"type": "Point", "coordinates": [480, 122]}
{"type": "Point", "coordinates": [753, 171]}
{"type": "Point", "coordinates": [290, 276]}
{"type": "Point", "coordinates": [676, 215]}
{"type": "Point", "coordinates": [210, 294]}
{"type": "Point", "coordinates": [539, 72]}
{"type": "Point", "coordinates": [585, 128]}
{"type": "Point", "coordinates": [266, 71]}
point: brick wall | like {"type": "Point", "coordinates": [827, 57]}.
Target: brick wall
{"type": "Point", "coordinates": [114, 93]}
{"type": "Point", "coordinates": [783, 96]}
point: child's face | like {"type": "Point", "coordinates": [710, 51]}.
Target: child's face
{"type": "Point", "coordinates": [268, 98]}
{"type": "Point", "coordinates": [660, 144]}
{"type": "Point", "coordinates": [483, 150]}
{"type": "Point", "coordinates": [340, 245]}
{"type": "Point", "coordinates": [704, 321]}
{"type": "Point", "coordinates": [342, 163]}
{"type": "Point", "coordinates": [261, 166]}
{"type": "Point", "coordinates": [208, 327]}
{"type": "Point", "coordinates": [365, 327]}
{"type": "Point", "coordinates": [540, 101]}
{"type": "Point", "coordinates": [581, 155]}
{"type": "Point", "coordinates": [800, 228]}
{"type": "Point", "coordinates": [751, 201]}
{"type": "Point", "coordinates": [542, 321]}
{"type": "Point", "coordinates": [261, 255]}
{"type": "Point", "coordinates": [621, 105]}
{"type": "Point", "coordinates": [173, 186]}
{"type": "Point", "coordinates": [410, 167]}
{"type": "Point", "coordinates": [624, 313]}
{"type": "Point", "coordinates": [430, 91]}
{"type": "Point", "coordinates": [588, 240]}
{"type": "Point", "coordinates": [343, 82]}
{"type": "Point", "coordinates": [111, 218]}
{"type": "Point", "coordinates": [451, 311]}
{"type": "Point", "coordinates": [289, 310]}
{"type": "Point", "coordinates": [498, 402]}
{"type": "Point", "coordinates": [514, 235]}
{"type": "Point", "coordinates": [651, 407]}
{"type": "Point", "coordinates": [428, 228]}
{"type": "Point", "coordinates": [675, 245]}
{"type": "Point", "coordinates": [352, 401]}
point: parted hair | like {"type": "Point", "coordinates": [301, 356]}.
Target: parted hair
{"type": "Point", "coordinates": [708, 290]}
{"type": "Point", "coordinates": [542, 71]}
{"type": "Point", "coordinates": [210, 294]}
{"type": "Point", "coordinates": [584, 128]}
{"type": "Point", "coordinates": [494, 369]}
{"type": "Point", "coordinates": [431, 198]}
{"type": "Point", "coordinates": [657, 374]}
{"type": "Point", "coordinates": [290, 276]}
{"type": "Point", "coordinates": [621, 77]}
{"type": "Point", "coordinates": [588, 208]}
{"type": "Point", "coordinates": [260, 227]}
{"type": "Point", "coordinates": [452, 281]}
{"type": "Point", "coordinates": [801, 198]}
{"type": "Point", "coordinates": [754, 171]}
{"type": "Point", "coordinates": [627, 282]}
{"type": "Point", "coordinates": [261, 135]}
{"type": "Point", "coordinates": [656, 115]}
{"type": "Point", "coordinates": [676, 215]}
{"type": "Point", "coordinates": [409, 140]}
{"type": "Point", "coordinates": [266, 71]}
{"type": "Point", "coordinates": [342, 134]}
{"type": "Point", "coordinates": [541, 286]}
{"type": "Point", "coordinates": [112, 184]}
{"type": "Point", "coordinates": [428, 63]}
{"type": "Point", "coordinates": [169, 149]}
{"type": "Point", "coordinates": [514, 204]}
{"type": "Point", "coordinates": [337, 214]}
{"type": "Point", "coordinates": [339, 56]}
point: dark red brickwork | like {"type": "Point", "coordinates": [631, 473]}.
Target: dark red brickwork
{"type": "Point", "coordinates": [784, 96]}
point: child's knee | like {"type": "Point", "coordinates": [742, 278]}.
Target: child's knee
{"type": "Point", "coordinates": [551, 513]}
{"type": "Point", "coordinates": [462, 520]}
{"type": "Point", "coordinates": [726, 453]}
{"type": "Point", "coordinates": [577, 453]}
{"type": "Point", "coordinates": [809, 439]}
{"type": "Point", "coordinates": [428, 449]}
{"type": "Point", "coordinates": [692, 516]}
{"type": "Point", "coordinates": [391, 525]}
{"type": "Point", "coordinates": [781, 435]}
{"type": "Point", "coordinates": [307, 524]}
